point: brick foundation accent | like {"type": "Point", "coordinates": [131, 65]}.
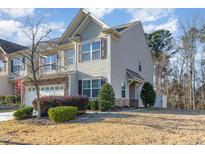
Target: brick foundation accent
{"type": "Point", "coordinates": [126, 102]}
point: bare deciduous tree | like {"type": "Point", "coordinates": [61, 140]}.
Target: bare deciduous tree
{"type": "Point", "coordinates": [38, 35]}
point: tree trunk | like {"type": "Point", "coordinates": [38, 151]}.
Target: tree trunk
{"type": "Point", "coordinates": [38, 101]}
{"type": "Point", "coordinates": [193, 90]}
{"type": "Point", "coordinates": [157, 80]}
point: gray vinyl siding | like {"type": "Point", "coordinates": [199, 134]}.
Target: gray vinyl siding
{"type": "Point", "coordinates": [125, 53]}
{"type": "Point", "coordinates": [92, 30]}
{"type": "Point", "coordinates": [88, 69]}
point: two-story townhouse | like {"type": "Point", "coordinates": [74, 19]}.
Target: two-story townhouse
{"type": "Point", "coordinates": [91, 54]}
{"type": "Point", "coordinates": [7, 87]}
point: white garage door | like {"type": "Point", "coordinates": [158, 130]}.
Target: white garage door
{"type": "Point", "coordinates": [47, 90]}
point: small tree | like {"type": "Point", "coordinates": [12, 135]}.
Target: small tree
{"type": "Point", "coordinates": [37, 33]}
{"type": "Point", "coordinates": [106, 97]}
{"type": "Point", "coordinates": [148, 95]}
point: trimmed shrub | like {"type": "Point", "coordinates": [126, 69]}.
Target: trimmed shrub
{"type": "Point", "coordinates": [88, 107]}
{"type": "Point", "coordinates": [10, 99]}
{"type": "Point", "coordinates": [4, 103]}
{"type": "Point", "coordinates": [17, 99]}
{"type": "Point", "coordinates": [2, 98]}
{"type": "Point", "coordinates": [106, 97]}
{"type": "Point", "coordinates": [80, 102]}
{"type": "Point", "coordinates": [62, 113]}
{"type": "Point", "coordinates": [106, 105]}
{"type": "Point", "coordinates": [94, 104]}
{"type": "Point", "coordinates": [148, 95]}
{"type": "Point", "coordinates": [23, 113]}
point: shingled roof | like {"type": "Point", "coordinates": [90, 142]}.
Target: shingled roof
{"type": "Point", "coordinates": [131, 75]}
{"type": "Point", "coordinates": [122, 27]}
{"type": "Point", "coordinates": [10, 47]}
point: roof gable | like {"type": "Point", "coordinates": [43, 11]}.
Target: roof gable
{"type": "Point", "coordinates": [78, 24]}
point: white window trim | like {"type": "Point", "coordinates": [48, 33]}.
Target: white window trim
{"type": "Point", "coordinates": [19, 63]}
{"type": "Point", "coordinates": [2, 66]}
{"type": "Point", "coordinates": [90, 79]}
{"type": "Point", "coordinates": [50, 64]}
{"type": "Point", "coordinates": [91, 49]}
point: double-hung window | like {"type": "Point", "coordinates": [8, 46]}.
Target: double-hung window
{"type": "Point", "coordinates": [86, 88]}
{"type": "Point", "coordinates": [96, 84]}
{"type": "Point", "coordinates": [91, 50]}
{"type": "Point", "coordinates": [91, 88]}
{"type": "Point", "coordinates": [50, 63]}
{"type": "Point", "coordinates": [96, 50]}
{"type": "Point", "coordinates": [17, 65]}
{"type": "Point", "coordinates": [70, 56]}
{"type": "Point", "coordinates": [86, 50]}
{"type": "Point", "coordinates": [123, 90]}
{"type": "Point", "coordinates": [2, 66]}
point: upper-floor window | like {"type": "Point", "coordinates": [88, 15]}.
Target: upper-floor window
{"type": "Point", "coordinates": [70, 56]}
{"type": "Point", "coordinates": [96, 50]}
{"type": "Point", "coordinates": [86, 51]}
{"type": "Point", "coordinates": [91, 50]}
{"type": "Point", "coordinates": [2, 66]}
{"type": "Point", "coordinates": [139, 65]}
{"type": "Point", "coordinates": [17, 65]}
{"type": "Point", "coordinates": [50, 63]}
{"type": "Point", "coordinates": [91, 88]}
{"type": "Point", "coordinates": [123, 90]}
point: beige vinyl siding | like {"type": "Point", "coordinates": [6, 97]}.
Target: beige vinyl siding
{"type": "Point", "coordinates": [6, 88]}
{"type": "Point", "coordinates": [93, 68]}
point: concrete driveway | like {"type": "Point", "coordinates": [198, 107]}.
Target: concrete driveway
{"type": "Point", "coordinates": [6, 116]}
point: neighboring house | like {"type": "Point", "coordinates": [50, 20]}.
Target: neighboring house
{"type": "Point", "coordinates": [7, 87]}
{"type": "Point", "coordinates": [91, 54]}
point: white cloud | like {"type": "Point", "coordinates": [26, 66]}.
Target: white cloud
{"type": "Point", "coordinates": [100, 12]}
{"type": "Point", "coordinates": [146, 15]}
{"type": "Point", "coordinates": [170, 25]}
{"type": "Point", "coordinates": [8, 28]}
{"type": "Point", "coordinates": [14, 30]}
{"type": "Point", "coordinates": [59, 26]}
{"type": "Point", "coordinates": [149, 28]}
{"type": "Point", "coordinates": [21, 38]}
{"type": "Point", "coordinates": [15, 13]}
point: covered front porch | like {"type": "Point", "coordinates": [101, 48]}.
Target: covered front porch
{"type": "Point", "coordinates": [134, 84]}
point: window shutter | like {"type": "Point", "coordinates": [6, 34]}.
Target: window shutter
{"type": "Point", "coordinates": [103, 81]}
{"type": "Point", "coordinates": [12, 64]}
{"type": "Point", "coordinates": [103, 48]}
{"type": "Point", "coordinates": [79, 53]}
{"type": "Point", "coordinates": [79, 87]}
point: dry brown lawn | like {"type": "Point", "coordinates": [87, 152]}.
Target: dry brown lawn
{"type": "Point", "coordinates": [126, 127]}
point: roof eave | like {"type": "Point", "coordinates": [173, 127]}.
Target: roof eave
{"type": "Point", "coordinates": [112, 32]}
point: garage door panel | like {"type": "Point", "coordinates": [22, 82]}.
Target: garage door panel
{"type": "Point", "coordinates": [47, 90]}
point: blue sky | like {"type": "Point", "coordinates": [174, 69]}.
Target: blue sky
{"type": "Point", "coordinates": [12, 20]}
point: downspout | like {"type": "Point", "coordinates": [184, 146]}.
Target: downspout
{"type": "Point", "coordinates": [76, 67]}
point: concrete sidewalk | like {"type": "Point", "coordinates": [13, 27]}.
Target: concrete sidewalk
{"type": "Point", "coordinates": [4, 116]}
